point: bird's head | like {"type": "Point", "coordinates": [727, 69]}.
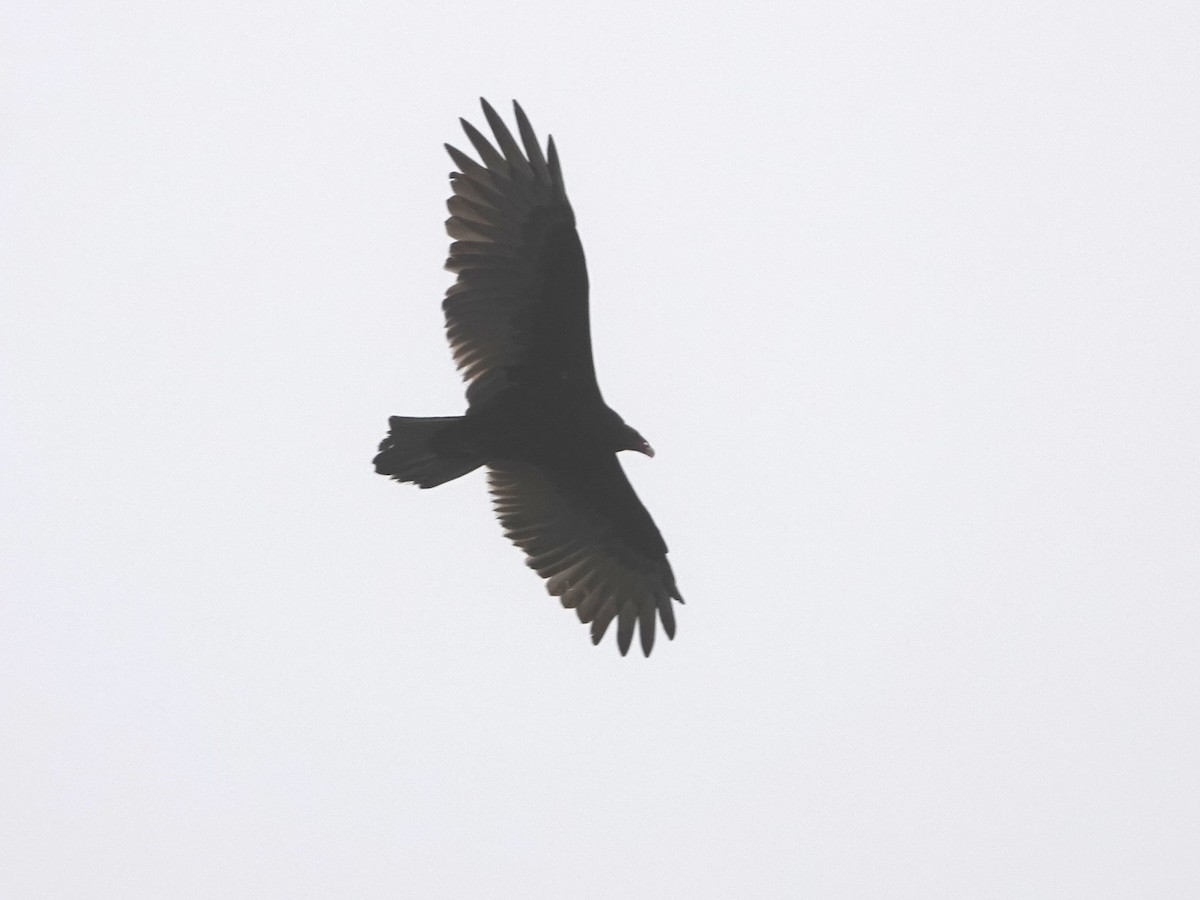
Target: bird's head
{"type": "Point", "coordinates": [631, 440]}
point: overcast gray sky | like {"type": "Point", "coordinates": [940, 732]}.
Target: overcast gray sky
{"type": "Point", "coordinates": [905, 297]}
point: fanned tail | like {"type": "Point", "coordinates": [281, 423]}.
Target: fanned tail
{"type": "Point", "coordinates": [427, 451]}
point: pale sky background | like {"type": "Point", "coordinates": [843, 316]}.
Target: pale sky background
{"type": "Point", "coordinates": [905, 295]}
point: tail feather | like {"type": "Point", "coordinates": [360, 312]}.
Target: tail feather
{"type": "Point", "coordinates": [426, 451]}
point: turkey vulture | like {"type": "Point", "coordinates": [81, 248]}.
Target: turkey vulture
{"type": "Point", "coordinates": [517, 322]}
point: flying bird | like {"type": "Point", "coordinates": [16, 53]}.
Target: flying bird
{"type": "Point", "coordinates": [517, 323]}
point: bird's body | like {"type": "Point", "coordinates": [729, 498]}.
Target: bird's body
{"type": "Point", "coordinates": [517, 321]}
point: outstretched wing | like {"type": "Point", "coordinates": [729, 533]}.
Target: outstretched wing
{"type": "Point", "coordinates": [518, 313]}
{"type": "Point", "coordinates": [588, 535]}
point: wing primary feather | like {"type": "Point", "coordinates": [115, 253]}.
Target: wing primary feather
{"type": "Point", "coordinates": [555, 170]}
{"type": "Point", "coordinates": [468, 168]}
{"type": "Point", "coordinates": [646, 617]}
{"type": "Point", "coordinates": [509, 147]}
{"type": "Point", "coordinates": [626, 622]}
{"type": "Point", "coordinates": [667, 614]}
{"type": "Point", "coordinates": [490, 155]}
{"type": "Point", "coordinates": [602, 618]}
{"type": "Point", "coordinates": [529, 138]}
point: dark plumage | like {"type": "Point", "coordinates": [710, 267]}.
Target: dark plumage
{"type": "Point", "coordinates": [517, 322]}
